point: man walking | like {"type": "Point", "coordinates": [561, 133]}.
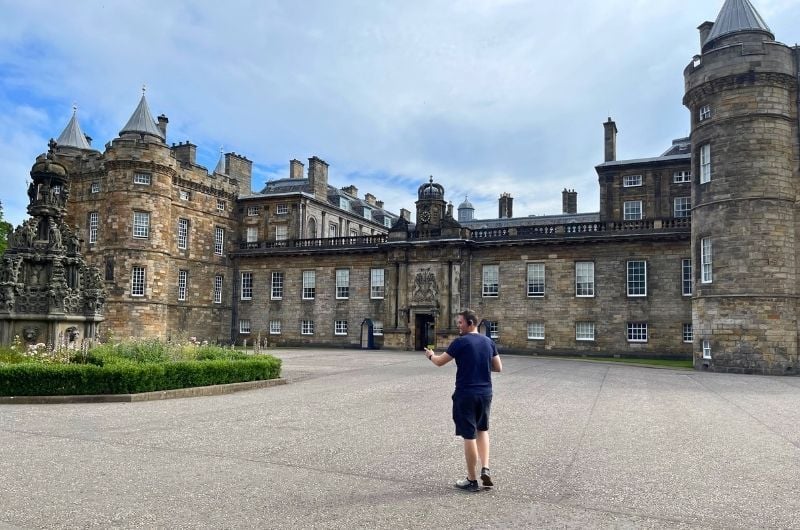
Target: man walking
{"type": "Point", "coordinates": [476, 358]}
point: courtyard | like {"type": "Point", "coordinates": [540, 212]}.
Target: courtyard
{"type": "Point", "coordinates": [363, 439]}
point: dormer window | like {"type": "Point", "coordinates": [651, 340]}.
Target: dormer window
{"type": "Point", "coordinates": [704, 113]}
{"type": "Point", "coordinates": [630, 181]}
{"type": "Point", "coordinates": [367, 213]}
{"type": "Point", "coordinates": [344, 203]}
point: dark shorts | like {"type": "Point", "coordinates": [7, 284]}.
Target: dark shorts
{"type": "Point", "coordinates": [471, 414]}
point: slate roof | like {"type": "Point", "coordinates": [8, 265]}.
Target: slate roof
{"type": "Point", "coordinates": [142, 121]}
{"type": "Point", "coordinates": [73, 136]}
{"type": "Point", "coordinates": [736, 16]}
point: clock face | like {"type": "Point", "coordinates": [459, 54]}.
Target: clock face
{"type": "Point", "coordinates": [425, 216]}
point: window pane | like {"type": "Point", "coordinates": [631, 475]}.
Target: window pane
{"type": "Point", "coordinates": [536, 330]}
{"type": "Point", "coordinates": [536, 279]}
{"type": "Point", "coordinates": [584, 278]}
{"type": "Point", "coordinates": [491, 281]}
{"type": "Point", "coordinates": [637, 278]}
{"type": "Point", "coordinates": [376, 289]}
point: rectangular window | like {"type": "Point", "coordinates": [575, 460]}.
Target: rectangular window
{"type": "Point", "coordinates": [680, 177]}
{"type": "Point", "coordinates": [141, 225]}
{"type": "Point", "coordinates": [705, 260]}
{"type": "Point", "coordinates": [333, 230]}
{"type": "Point", "coordinates": [367, 213]}
{"type": "Point", "coordinates": [281, 232]}
{"type": "Point", "coordinates": [340, 327]}
{"type": "Point", "coordinates": [344, 203]}
{"type": "Point", "coordinates": [252, 211]}
{"type": "Point", "coordinates": [376, 289]}
{"type": "Point", "coordinates": [682, 207]}
{"type": "Point", "coordinates": [252, 234]}
{"type": "Point", "coordinates": [342, 284]}
{"type": "Point", "coordinates": [491, 280]}
{"type": "Point", "coordinates": [686, 277]}
{"type": "Point", "coordinates": [637, 278]}
{"type": "Point", "coordinates": [244, 326]}
{"type": "Point", "coordinates": [184, 195]}
{"type": "Point", "coordinates": [705, 163]}
{"type": "Point", "coordinates": [377, 327]}
{"type": "Point", "coordinates": [218, 289]}
{"type": "Point", "coordinates": [637, 331]}
{"type": "Point", "coordinates": [535, 279]}
{"type": "Point", "coordinates": [306, 327]}
{"type": "Point", "coordinates": [141, 178]}
{"type": "Point", "coordinates": [309, 285]}
{"type": "Point", "coordinates": [274, 327]}
{"type": "Point", "coordinates": [183, 233]}
{"type": "Point", "coordinates": [247, 286]}
{"type": "Point", "coordinates": [219, 240]}
{"type": "Point", "coordinates": [688, 334]}
{"type": "Point", "coordinates": [584, 330]}
{"type": "Point", "coordinates": [584, 278]}
{"type": "Point", "coordinates": [494, 329]}
{"type": "Point", "coordinates": [387, 222]}
{"type": "Point", "coordinates": [277, 286]}
{"type": "Point", "coordinates": [137, 281]}
{"type": "Point", "coordinates": [94, 223]}
{"type": "Point", "coordinates": [706, 349]}
{"type": "Point", "coordinates": [221, 205]}
{"type": "Point", "coordinates": [629, 181]}
{"type": "Point", "coordinates": [535, 330]}
{"type": "Point", "coordinates": [704, 113]}
{"type": "Point", "coordinates": [632, 210]}
{"type": "Point", "coordinates": [95, 187]}
{"type": "Point", "coordinates": [282, 209]}
{"type": "Point", "coordinates": [183, 280]}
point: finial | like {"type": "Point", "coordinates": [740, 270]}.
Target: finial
{"type": "Point", "coordinates": [431, 179]}
{"type": "Point", "coordinates": [221, 151]}
{"type": "Point", "coordinates": [144, 89]}
{"type": "Point", "coordinates": [74, 108]}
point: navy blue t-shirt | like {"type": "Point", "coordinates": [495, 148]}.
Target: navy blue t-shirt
{"type": "Point", "coordinates": [473, 354]}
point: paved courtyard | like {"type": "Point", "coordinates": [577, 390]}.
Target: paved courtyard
{"type": "Point", "coordinates": [364, 440]}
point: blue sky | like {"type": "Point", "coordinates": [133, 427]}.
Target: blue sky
{"type": "Point", "coordinates": [488, 96]}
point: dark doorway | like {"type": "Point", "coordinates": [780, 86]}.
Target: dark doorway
{"type": "Point", "coordinates": [367, 335]}
{"type": "Point", "coordinates": [424, 333]}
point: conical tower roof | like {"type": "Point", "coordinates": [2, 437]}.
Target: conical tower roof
{"type": "Point", "coordinates": [221, 163]}
{"type": "Point", "coordinates": [73, 136]}
{"type": "Point", "coordinates": [142, 121]}
{"type": "Point", "coordinates": [736, 16]}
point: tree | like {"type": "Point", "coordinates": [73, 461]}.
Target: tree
{"type": "Point", "coordinates": [5, 229]}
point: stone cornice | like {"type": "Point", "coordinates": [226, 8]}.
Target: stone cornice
{"type": "Point", "coordinates": [730, 82]}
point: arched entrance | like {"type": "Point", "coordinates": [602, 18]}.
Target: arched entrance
{"type": "Point", "coordinates": [367, 335]}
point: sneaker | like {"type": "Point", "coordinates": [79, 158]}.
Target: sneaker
{"type": "Point", "coordinates": [486, 478]}
{"type": "Point", "coordinates": [468, 485]}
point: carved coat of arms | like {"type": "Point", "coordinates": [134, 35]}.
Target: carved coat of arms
{"type": "Point", "coordinates": [425, 288]}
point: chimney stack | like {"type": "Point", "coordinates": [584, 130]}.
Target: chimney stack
{"type": "Point", "coordinates": [370, 199]}
{"type": "Point", "coordinates": [162, 125]}
{"type": "Point", "coordinates": [318, 177]}
{"type": "Point", "coordinates": [351, 190]}
{"type": "Point", "coordinates": [185, 153]}
{"type": "Point", "coordinates": [506, 206]}
{"type": "Point", "coordinates": [705, 29]}
{"type": "Point", "coordinates": [295, 169]}
{"type": "Point", "coordinates": [379, 204]}
{"type": "Point", "coordinates": [405, 214]}
{"type": "Point", "coordinates": [569, 201]}
{"type": "Point", "coordinates": [610, 129]}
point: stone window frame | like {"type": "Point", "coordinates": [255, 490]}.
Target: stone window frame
{"type": "Point", "coordinates": [536, 330]}
{"type": "Point", "coordinates": [682, 207]}
{"type": "Point", "coordinates": [377, 284]}
{"type": "Point", "coordinates": [333, 230]}
{"type": "Point", "coordinates": [584, 289]}
{"type": "Point", "coordinates": [490, 280]}
{"type": "Point", "coordinates": [377, 328]}
{"type": "Point", "coordinates": [95, 187]}
{"type": "Point", "coordinates": [687, 282]}
{"type": "Point", "coordinates": [275, 327]}
{"type": "Point", "coordinates": [535, 282]}
{"type": "Point", "coordinates": [276, 285]}
{"type": "Point", "coordinates": [306, 327]}
{"type": "Point", "coordinates": [143, 179]}
{"type": "Point", "coordinates": [340, 327]}
{"type": "Point", "coordinates": [282, 208]}
{"type": "Point", "coordinates": [93, 222]}
{"type": "Point", "coordinates": [253, 211]}
{"type": "Point", "coordinates": [221, 205]}
{"type": "Point", "coordinates": [309, 291]}
{"type": "Point", "coordinates": [141, 225]}
{"type": "Point", "coordinates": [632, 181]}
{"type": "Point", "coordinates": [342, 284]}
{"type": "Point", "coordinates": [682, 176]}
{"type": "Point", "coordinates": [183, 285]}
{"type": "Point", "coordinates": [184, 195]}
{"type": "Point", "coordinates": [704, 112]}
{"type": "Point", "coordinates": [217, 296]}
{"type": "Point", "coordinates": [219, 241]}
{"type": "Point", "coordinates": [706, 260]}
{"type": "Point", "coordinates": [138, 280]}
{"type": "Point", "coordinates": [636, 332]}
{"type": "Point", "coordinates": [494, 329]}
{"type": "Point", "coordinates": [688, 333]}
{"type": "Point", "coordinates": [631, 213]}
{"type": "Point", "coordinates": [245, 326]}
{"type": "Point", "coordinates": [246, 283]}
{"type": "Point", "coordinates": [183, 233]}
{"type": "Point", "coordinates": [584, 330]}
{"type": "Point", "coordinates": [706, 349]}
{"type": "Point", "coordinates": [251, 234]}
{"type": "Point", "coordinates": [636, 278]}
{"type": "Point", "coordinates": [704, 161]}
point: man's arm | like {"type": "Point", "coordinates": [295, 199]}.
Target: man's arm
{"type": "Point", "coordinates": [439, 360]}
{"type": "Point", "coordinates": [497, 364]}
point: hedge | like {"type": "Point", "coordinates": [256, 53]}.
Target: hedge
{"type": "Point", "coordinates": [34, 379]}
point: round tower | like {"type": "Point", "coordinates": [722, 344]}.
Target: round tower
{"type": "Point", "coordinates": [741, 92]}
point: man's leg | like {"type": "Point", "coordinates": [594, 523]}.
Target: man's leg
{"type": "Point", "coordinates": [471, 456]}
{"type": "Point", "coordinates": [482, 447]}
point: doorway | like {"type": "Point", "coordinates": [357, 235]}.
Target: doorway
{"type": "Point", "coordinates": [424, 331]}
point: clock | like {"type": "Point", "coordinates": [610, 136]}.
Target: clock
{"type": "Point", "coordinates": [425, 216]}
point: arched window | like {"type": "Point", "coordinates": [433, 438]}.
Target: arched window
{"type": "Point", "coordinates": [312, 228]}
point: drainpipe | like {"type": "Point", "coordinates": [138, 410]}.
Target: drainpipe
{"type": "Point", "coordinates": [234, 305]}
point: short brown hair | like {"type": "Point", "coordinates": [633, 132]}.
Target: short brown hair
{"type": "Point", "coordinates": [469, 317]}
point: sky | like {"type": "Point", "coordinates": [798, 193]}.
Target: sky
{"type": "Point", "coordinates": [487, 96]}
